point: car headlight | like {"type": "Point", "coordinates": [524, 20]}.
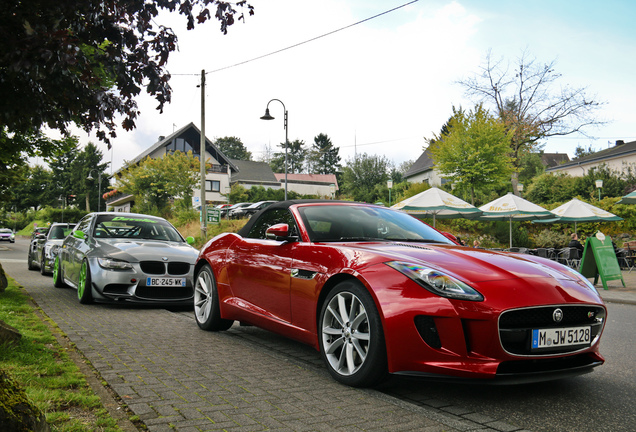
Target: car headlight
{"type": "Point", "coordinates": [113, 264]}
{"type": "Point", "coordinates": [47, 249]}
{"type": "Point", "coordinates": [437, 281]}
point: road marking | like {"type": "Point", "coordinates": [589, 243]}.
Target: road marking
{"type": "Point", "coordinates": [9, 260]}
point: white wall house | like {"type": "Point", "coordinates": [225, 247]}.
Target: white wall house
{"type": "Point", "coordinates": [188, 138]}
{"type": "Point", "coordinates": [617, 158]}
{"type": "Point", "coordinates": [320, 185]}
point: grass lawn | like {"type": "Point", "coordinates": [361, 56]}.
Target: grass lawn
{"type": "Point", "coordinates": [45, 370]}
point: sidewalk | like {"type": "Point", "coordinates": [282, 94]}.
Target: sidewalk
{"type": "Point", "coordinates": [616, 293]}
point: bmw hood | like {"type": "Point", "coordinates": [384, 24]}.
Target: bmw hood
{"type": "Point", "coordinates": [144, 250]}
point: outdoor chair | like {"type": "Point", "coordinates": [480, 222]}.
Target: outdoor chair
{"type": "Point", "coordinates": [570, 257]}
{"type": "Point", "coordinates": [546, 253]}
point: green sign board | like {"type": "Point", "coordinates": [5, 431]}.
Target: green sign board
{"type": "Point", "coordinates": [213, 216]}
{"type": "Point", "coordinates": [599, 259]}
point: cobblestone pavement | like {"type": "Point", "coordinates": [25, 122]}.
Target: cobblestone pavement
{"type": "Point", "coordinates": [176, 377]}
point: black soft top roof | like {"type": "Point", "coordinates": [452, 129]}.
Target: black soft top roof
{"type": "Point", "coordinates": [283, 205]}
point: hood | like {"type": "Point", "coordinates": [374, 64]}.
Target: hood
{"type": "Point", "coordinates": [492, 273]}
{"type": "Point", "coordinates": [144, 250]}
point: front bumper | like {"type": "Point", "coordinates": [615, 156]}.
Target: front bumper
{"type": "Point", "coordinates": [129, 285]}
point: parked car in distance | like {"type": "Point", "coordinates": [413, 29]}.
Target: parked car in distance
{"type": "Point", "coordinates": [250, 210]}
{"type": "Point", "coordinates": [6, 234]}
{"type": "Point", "coordinates": [39, 231]}
{"type": "Point", "coordinates": [231, 211]}
{"type": "Point", "coordinates": [127, 257]}
{"type": "Point", "coordinates": [377, 291]}
{"type": "Point", "coordinates": [43, 247]}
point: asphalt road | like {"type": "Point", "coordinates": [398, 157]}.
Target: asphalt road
{"type": "Point", "coordinates": [604, 400]}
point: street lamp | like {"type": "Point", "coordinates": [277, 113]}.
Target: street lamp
{"type": "Point", "coordinates": [99, 186]}
{"type": "Point", "coordinates": [389, 184]}
{"type": "Point", "coordinates": [599, 185]}
{"type": "Point", "coordinates": [267, 116]}
{"type": "Point", "coordinates": [520, 188]}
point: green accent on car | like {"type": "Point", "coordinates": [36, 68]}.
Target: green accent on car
{"type": "Point", "coordinates": [81, 286]}
{"type": "Point", "coordinates": [79, 234]}
{"type": "Point", "coordinates": [56, 268]}
{"type": "Point", "coordinates": [122, 218]}
{"type": "Point", "coordinates": [190, 240]}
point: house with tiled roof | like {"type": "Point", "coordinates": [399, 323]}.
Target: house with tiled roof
{"type": "Point", "coordinates": [550, 160]}
{"type": "Point", "coordinates": [320, 185]}
{"type": "Point", "coordinates": [252, 173]}
{"type": "Point", "coordinates": [617, 158]}
{"type": "Point", "coordinates": [423, 171]}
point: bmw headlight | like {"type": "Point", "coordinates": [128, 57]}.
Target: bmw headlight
{"type": "Point", "coordinates": [113, 264]}
{"type": "Point", "coordinates": [437, 281]}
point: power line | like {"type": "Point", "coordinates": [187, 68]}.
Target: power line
{"type": "Point", "coordinates": [311, 40]}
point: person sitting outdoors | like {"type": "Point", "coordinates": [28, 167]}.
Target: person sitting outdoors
{"type": "Point", "coordinates": [575, 243]}
{"type": "Point", "coordinates": [476, 244]}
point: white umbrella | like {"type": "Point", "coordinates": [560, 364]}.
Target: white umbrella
{"type": "Point", "coordinates": [439, 204]}
{"type": "Point", "coordinates": [576, 211]}
{"type": "Point", "coordinates": [510, 207]}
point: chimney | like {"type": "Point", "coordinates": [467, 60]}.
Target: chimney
{"type": "Point", "coordinates": [162, 137]}
{"type": "Point", "coordinates": [619, 142]}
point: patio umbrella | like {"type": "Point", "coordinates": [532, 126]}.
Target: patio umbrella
{"type": "Point", "coordinates": [630, 198]}
{"type": "Point", "coordinates": [511, 207]}
{"type": "Point", "coordinates": [576, 211]}
{"type": "Point", "coordinates": [437, 203]}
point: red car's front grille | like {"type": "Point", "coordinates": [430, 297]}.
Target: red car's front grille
{"type": "Point", "coordinates": [515, 326]}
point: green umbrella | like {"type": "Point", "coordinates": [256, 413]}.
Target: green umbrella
{"type": "Point", "coordinates": [511, 207]}
{"type": "Point", "coordinates": [630, 198]}
{"type": "Point", "coordinates": [577, 211]}
{"type": "Point", "coordinates": [438, 204]}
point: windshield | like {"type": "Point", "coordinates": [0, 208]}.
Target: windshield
{"type": "Point", "coordinates": [136, 228]}
{"type": "Point", "coordinates": [327, 223]}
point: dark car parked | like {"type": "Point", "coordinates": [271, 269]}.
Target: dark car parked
{"type": "Point", "coordinates": [43, 247]}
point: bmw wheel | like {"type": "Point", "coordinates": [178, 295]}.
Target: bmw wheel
{"type": "Point", "coordinates": [206, 302]}
{"type": "Point", "coordinates": [351, 337]}
{"type": "Point", "coordinates": [84, 285]}
{"type": "Point", "coordinates": [58, 282]}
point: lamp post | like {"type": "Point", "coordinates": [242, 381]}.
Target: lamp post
{"type": "Point", "coordinates": [520, 188]}
{"type": "Point", "coordinates": [599, 186]}
{"type": "Point", "coordinates": [389, 184]}
{"type": "Point", "coordinates": [99, 186]}
{"type": "Point", "coordinates": [267, 116]}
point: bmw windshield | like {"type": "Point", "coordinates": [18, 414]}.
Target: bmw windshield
{"type": "Point", "coordinates": [135, 228]}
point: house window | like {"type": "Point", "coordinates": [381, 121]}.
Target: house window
{"type": "Point", "coordinates": [212, 186]}
{"type": "Point", "coordinates": [180, 144]}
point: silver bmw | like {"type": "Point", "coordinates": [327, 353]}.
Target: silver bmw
{"type": "Point", "coordinates": [126, 257]}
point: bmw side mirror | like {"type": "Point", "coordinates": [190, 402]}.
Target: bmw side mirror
{"type": "Point", "coordinates": [190, 240]}
{"type": "Point", "coordinates": [79, 234]}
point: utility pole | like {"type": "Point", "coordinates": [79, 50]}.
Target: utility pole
{"type": "Point", "coordinates": [204, 228]}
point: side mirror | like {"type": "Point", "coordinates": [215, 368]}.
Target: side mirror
{"type": "Point", "coordinates": [40, 236]}
{"type": "Point", "coordinates": [279, 232]}
{"type": "Point", "coordinates": [190, 240]}
{"type": "Point", "coordinates": [79, 234]}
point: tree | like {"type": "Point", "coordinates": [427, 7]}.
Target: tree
{"type": "Point", "coordinates": [65, 178]}
{"type": "Point", "coordinates": [155, 181]}
{"type": "Point", "coordinates": [579, 151]}
{"type": "Point", "coordinates": [85, 61]}
{"type": "Point", "coordinates": [233, 148]}
{"type": "Point", "coordinates": [323, 157]}
{"type": "Point", "coordinates": [34, 191]}
{"type": "Point", "coordinates": [527, 100]}
{"type": "Point", "coordinates": [88, 166]}
{"type": "Point", "coordinates": [364, 178]}
{"type": "Point", "coordinates": [475, 151]}
{"type": "Point", "coordinates": [296, 155]}
{"type": "Point", "coordinates": [16, 148]}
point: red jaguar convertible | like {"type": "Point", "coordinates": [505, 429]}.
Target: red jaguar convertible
{"type": "Point", "coordinates": [377, 291]}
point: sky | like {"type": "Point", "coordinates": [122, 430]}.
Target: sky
{"type": "Point", "coordinates": [383, 86]}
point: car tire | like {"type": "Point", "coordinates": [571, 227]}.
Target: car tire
{"type": "Point", "coordinates": [351, 336]}
{"type": "Point", "coordinates": [30, 265]}
{"type": "Point", "coordinates": [207, 311]}
{"type": "Point", "coordinates": [58, 281]}
{"type": "Point", "coordinates": [43, 271]}
{"type": "Point", "coordinates": [84, 293]}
